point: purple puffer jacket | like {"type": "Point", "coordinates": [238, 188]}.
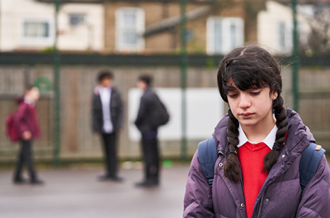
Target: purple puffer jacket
{"type": "Point", "coordinates": [280, 195]}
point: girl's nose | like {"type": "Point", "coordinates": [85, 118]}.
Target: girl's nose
{"type": "Point", "coordinates": [244, 102]}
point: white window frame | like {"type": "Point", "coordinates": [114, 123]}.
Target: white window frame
{"type": "Point", "coordinates": [37, 41]}
{"type": "Point", "coordinates": [226, 38]}
{"type": "Point", "coordinates": [287, 48]}
{"type": "Point", "coordinates": [140, 27]}
{"type": "Point", "coordinates": [84, 20]}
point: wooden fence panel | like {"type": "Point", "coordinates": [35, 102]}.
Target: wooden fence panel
{"type": "Point", "coordinates": [78, 83]}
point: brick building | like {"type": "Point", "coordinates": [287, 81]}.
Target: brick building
{"type": "Point", "coordinates": [153, 26]}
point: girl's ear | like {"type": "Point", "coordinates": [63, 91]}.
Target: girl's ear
{"type": "Point", "coordinates": [274, 95]}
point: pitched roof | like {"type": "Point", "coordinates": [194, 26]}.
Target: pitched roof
{"type": "Point", "coordinates": [167, 23]}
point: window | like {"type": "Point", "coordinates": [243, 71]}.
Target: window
{"type": "Point", "coordinates": [76, 19]}
{"type": "Point", "coordinates": [37, 32]}
{"type": "Point", "coordinates": [129, 29]}
{"type": "Point", "coordinates": [284, 37]}
{"type": "Point", "coordinates": [224, 34]}
{"type": "Point", "coordinates": [36, 29]}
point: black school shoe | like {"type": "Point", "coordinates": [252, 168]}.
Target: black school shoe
{"type": "Point", "coordinates": [147, 183]}
{"type": "Point", "coordinates": [36, 182]}
{"type": "Point", "coordinates": [110, 178]}
{"type": "Point", "coordinates": [19, 181]}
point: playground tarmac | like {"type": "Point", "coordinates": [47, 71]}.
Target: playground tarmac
{"type": "Point", "coordinates": [76, 192]}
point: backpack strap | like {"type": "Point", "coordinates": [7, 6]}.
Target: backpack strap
{"type": "Point", "coordinates": [309, 162]}
{"type": "Point", "coordinates": [207, 156]}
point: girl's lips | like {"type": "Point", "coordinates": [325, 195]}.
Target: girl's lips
{"type": "Point", "coordinates": [246, 115]}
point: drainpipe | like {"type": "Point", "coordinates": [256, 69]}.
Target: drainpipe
{"type": "Point", "coordinates": [183, 67]}
{"type": "Point", "coordinates": [56, 113]}
{"type": "Point", "coordinates": [295, 58]}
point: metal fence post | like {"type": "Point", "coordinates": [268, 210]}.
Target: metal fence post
{"type": "Point", "coordinates": [183, 67]}
{"type": "Point", "coordinates": [56, 65]}
{"type": "Point", "coordinates": [295, 58]}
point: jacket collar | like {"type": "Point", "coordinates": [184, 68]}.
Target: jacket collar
{"type": "Point", "coordinates": [297, 132]}
{"type": "Point", "coordinates": [148, 89]}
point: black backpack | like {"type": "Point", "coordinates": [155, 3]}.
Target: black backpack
{"type": "Point", "coordinates": [310, 159]}
{"type": "Point", "coordinates": [160, 115]}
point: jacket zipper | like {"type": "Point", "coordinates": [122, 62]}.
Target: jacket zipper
{"type": "Point", "coordinates": [262, 198]}
{"type": "Point", "coordinates": [219, 152]}
{"type": "Point", "coordinates": [242, 182]}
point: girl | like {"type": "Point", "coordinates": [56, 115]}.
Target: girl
{"type": "Point", "coordinates": [28, 127]}
{"type": "Point", "coordinates": [259, 143]}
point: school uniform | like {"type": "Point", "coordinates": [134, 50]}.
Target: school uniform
{"type": "Point", "coordinates": [278, 195]}
{"type": "Point", "coordinates": [149, 141]}
{"type": "Point", "coordinates": [107, 118]}
{"type": "Point", "coordinates": [26, 120]}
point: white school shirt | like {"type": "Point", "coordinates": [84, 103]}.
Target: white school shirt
{"type": "Point", "coordinates": [269, 140]}
{"type": "Point", "coordinates": [105, 94]}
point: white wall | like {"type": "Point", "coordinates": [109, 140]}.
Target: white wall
{"type": "Point", "coordinates": [267, 25]}
{"type": "Point", "coordinates": [88, 35]}
{"type": "Point", "coordinates": [204, 110]}
{"type": "Point", "coordinates": [12, 14]}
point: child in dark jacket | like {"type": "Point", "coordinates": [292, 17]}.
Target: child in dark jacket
{"type": "Point", "coordinates": [27, 125]}
{"type": "Point", "coordinates": [259, 147]}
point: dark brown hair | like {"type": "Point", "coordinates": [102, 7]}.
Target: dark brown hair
{"type": "Point", "coordinates": [251, 67]}
{"type": "Point", "coordinates": [104, 74]}
{"type": "Point", "coordinates": [29, 87]}
{"type": "Point", "coordinates": [146, 78]}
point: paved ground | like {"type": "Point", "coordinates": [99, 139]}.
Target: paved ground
{"type": "Point", "coordinates": [75, 192]}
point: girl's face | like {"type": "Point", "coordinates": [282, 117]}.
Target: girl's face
{"type": "Point", "coordinates": [252, 107]}
{"type": "Point", "coordinates": [33, 94]}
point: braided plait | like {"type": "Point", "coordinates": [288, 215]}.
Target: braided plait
{"type": "Point", "coordinates": [232, 169]}
{"type": "Point", "coordinates": [282, 124]}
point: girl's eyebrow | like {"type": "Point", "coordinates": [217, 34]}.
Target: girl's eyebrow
{"type": "Point", "coordinates": [231, 88]}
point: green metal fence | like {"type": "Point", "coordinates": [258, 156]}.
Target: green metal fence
{"type": "Point", "coordinates": [78, 79]}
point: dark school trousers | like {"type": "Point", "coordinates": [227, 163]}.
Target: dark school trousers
{"type": "Point", "coordinates": [25, 157]}
{"type": "Point", "coordinates": [110, 153]}
{"type": "Point", "coordinates": [151, 158]}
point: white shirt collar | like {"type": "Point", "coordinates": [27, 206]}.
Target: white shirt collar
{"type": "Point", "coordinates": [104, 89]}
{"type": "Point", "coordinates": [269, 140]}
{"type": "Point", "coordinates": [98, 89]}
